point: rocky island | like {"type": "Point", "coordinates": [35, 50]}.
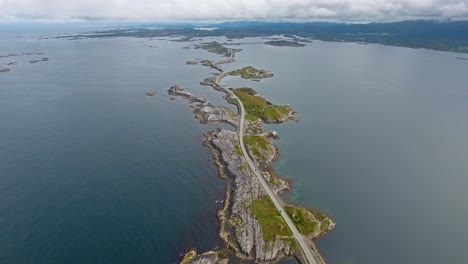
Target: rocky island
{"type": "Point", "coordinates": [4, 69]}
{"type": "Point", "coordinates": [251, 225]}
{"type": "Point", "coordinates": [36, 61]}
{"type": "Point", "coordinates": [250, 72]}
{"type": "Point", "coordinates": [284, 43]}
{"type": "Point", "coordinates": [217, 48]}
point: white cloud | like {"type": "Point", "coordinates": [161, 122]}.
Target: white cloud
{"type": "Point", "coordinates": [455, 10]}
{"type": "Point", "coordinates": [345, 10]}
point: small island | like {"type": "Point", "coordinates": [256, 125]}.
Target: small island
{"type": "Point", "coordinates": [4, 69]}
{"type": "Point", "coordinates": [259, 108]}
{"type": "Point", "coordinates": [217, 48]}
{"type": "Point", "coordinates": [250, 72]}
{"type": "Point", "coordinates": [36, 61]}
{"type": "Point", "coordinates": [150, 94]}
{"type": "Point", "coordinates": [284, 43]}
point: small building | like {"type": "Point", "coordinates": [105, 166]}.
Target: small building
{"type": "Point", "coordinates": [274, 134]}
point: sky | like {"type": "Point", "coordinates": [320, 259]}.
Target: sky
{"type": "Point", "coordinates": [194, 10]}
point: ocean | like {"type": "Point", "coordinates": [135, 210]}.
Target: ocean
{"type": "Point", "coordinates": [92, 171]}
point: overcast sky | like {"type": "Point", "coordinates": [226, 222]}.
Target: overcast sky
{"type": "Point", "coordinates": [161, 10]}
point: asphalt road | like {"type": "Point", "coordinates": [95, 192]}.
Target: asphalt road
{"type": "Point", "coordinates": [296, 234]}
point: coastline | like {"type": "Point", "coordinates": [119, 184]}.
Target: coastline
{"type": "Point", "coordinates": [248, 233]}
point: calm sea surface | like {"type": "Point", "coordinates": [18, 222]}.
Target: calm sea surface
{"type": "Point", "coordinates": [381, 146]}
{"type": "Point", "coordinates": [91, 171]}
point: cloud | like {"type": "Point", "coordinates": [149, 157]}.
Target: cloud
{"type": "Point", "coordinates": [160, 10]}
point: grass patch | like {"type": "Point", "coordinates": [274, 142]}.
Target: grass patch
{"type": "Point", "coordinates": [270, 220]}
{"type": "Point", "coordinates": [235, 220]}
{"type": "Point", "coordinates": [256, 140]}
{"type": "Point", "coordinates": [325, 225]}
{"type": "Point", "coordinates": [243, 167]}
{"type": "Point", "coordinates": [250, 72]}
{"type": "Point", "coordinates": [255, 144]}
{"type": "Point", "coordinates": [247, 90]}
{"type": "Point", "coordinates": [238, 150]}
{"type": "Point", "coordinates": [303, 223]}
{"type": "Point", "coordinates": [292, 242]}
{"type": "Point", "coordinates": [319, 216]}
{"type": "Point", "coordinates": [250, 117]}
{"type": "Point", "coordinates": [258, 107]}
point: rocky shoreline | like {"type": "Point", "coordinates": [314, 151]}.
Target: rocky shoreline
{"type": "Point", "coordinates": [249, 228]}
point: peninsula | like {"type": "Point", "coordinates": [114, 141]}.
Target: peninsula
{"type": "Point", "coordinates": [255, 224]}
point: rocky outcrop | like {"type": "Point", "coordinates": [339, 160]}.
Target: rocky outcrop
{"type": "Point", "coordinates": [209, 81]}
{"type": "Point", "coordinates": [208, 113]}
{"type": "Point", "coordinates": [204, 111]}
{"type": "Point", "coordinates": [239, 228]}
{"type": "Point", "coordinates": [210, 257]}
{"type": "Point", "coordinates": [246, 232]}
{"type": "Point", "coordinates": [4, 69]}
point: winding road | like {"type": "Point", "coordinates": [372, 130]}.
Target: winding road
{"type": "Point", "coordinates": [296, 234]}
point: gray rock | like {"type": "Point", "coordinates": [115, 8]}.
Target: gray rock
{"type": "Point", "coordinates": [246, 188]}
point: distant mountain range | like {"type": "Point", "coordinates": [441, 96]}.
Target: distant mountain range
{"type": "Point", "coordinates": [448, 35]}
{"type": "Point", "coordinates": [437, 35]}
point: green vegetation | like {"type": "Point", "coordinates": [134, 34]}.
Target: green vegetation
{"type": "Point", "coordinates": [247, 90]}
{"type": "Point", "coordinates": [237, 149]}
{"type": "Point", "coordinates": [319, 216]}
{"type": "Point", "coordinates": [305, 224]}
{"type": "Point", "coordinates": [250, 72]}
{"type": "Point", "coordinates": [292, 242]}
{"type": "Point", "coordinates": [270, 220]}
{"type": "Point", "coordinates": [243, 167]}
{"type": "Point", "coordinates": [272, 181]}
{"type": "Point", "coordinates": [235, 220]}
{"type": "Point", "coordinates": [207, 62]}
{"type": "Point", "coordinates": [215, 47]}
{"type": "Point", "coordinates": [251, 118]}
{"type": "Point", "coordinates": [284, 43]}
{"type": "Point", "coordinates": [325, 225]}
{"type": "Point", "coordinates": [256, 143]}
{"type": "Point", "coordinates": [258, 107]}
{"type": "Point", "coordinates": [189, 256]}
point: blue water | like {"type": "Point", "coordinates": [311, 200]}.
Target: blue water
{"type": "Point", "coordinates": [381, 146]}
{"type": "Point", "coordinates": [91, 171]}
